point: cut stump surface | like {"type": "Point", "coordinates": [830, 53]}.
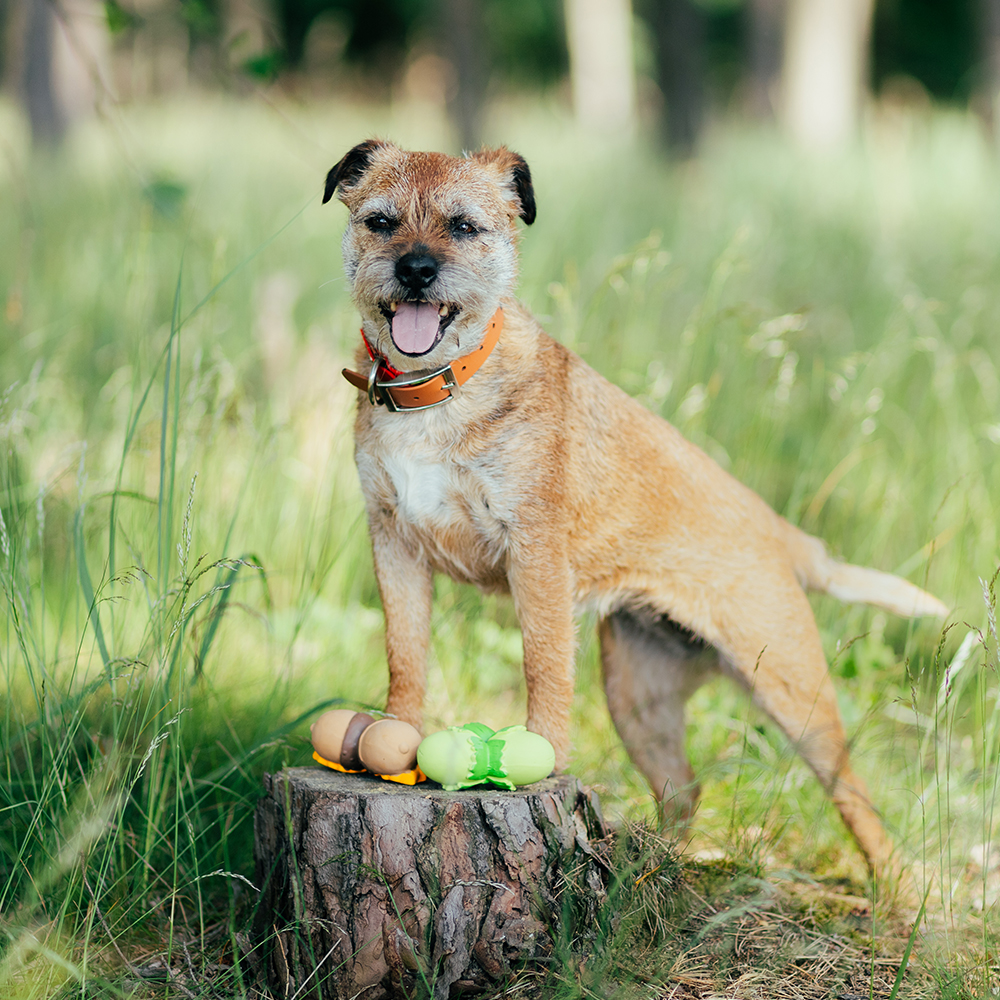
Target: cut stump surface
{"type": "Point", "coordinates": [395, 890]}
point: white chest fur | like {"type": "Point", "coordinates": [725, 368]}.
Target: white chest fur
{"type": "Point", "coordinates": [424, 489]}
{"type": "Point", "coordinates": [456, 511]}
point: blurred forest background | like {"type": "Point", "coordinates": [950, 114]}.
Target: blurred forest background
{"type": "Point", "coordinates": [662, 65]}
{"type": "Point", "coordinates": [773, 222]}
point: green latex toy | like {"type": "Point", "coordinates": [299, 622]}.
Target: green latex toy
{"type": "Point", "coordinates": [474, 754]}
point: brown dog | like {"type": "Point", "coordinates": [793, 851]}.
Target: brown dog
{"type": "Point", "coordinates": [537, 477]}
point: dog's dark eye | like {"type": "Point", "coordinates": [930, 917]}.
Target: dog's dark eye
{"type": "Point", "coordinates": [381, 223]}
{"type": "Point", "coordinates": [462, 227]}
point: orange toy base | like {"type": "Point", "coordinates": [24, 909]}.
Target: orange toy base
{"type": "Point", "coordinates": [406, 778]}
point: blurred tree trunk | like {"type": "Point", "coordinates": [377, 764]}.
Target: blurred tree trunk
{"type": "Point", "coordinates": [58, 55]}
{"type": "Point", "coordinates": [247, 30]}
{"type": "Point", "coordinates": [764, 31]}
{"type": "Point", "coordinates": [599, 39]}
{"type": "Point", "coordinates": [825, 69]}
{"type": "Point", "coordinates": [679, 35]}
{"type": "Point", "coordinates": [465, 46]}
{"type": "Point", "coordinates": [47, 119]}
{"type": "Point", "coordinates": [989, 20]}
{"type": "Point", "coordinates": [5, 19]}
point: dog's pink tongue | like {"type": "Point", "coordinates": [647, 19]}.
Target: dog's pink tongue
{"type": "Point", "coordinates": [415, 326]}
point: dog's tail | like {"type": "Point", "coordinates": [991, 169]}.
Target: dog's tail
{"type": "Point", "coordinates": [818, 570]}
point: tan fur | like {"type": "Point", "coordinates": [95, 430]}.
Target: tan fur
{"type": "Point", "coordinates": [544, 480]}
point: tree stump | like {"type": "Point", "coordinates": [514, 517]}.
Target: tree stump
{"type": "Point", "coordinates": [397, 890]}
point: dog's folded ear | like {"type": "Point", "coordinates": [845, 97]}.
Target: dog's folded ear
{"type": "Point", "coordinates": [517, 177]}
{"type": "Point", "coordinates": [354, 163]}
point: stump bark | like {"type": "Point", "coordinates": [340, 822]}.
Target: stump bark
{"type": "Point", "coordinates": [394, 890]}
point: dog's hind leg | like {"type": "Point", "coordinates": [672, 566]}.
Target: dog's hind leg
{"type": "Point", "coordinates": [768, 640]}
{"type": "Point", "coordinates": [651, 667]}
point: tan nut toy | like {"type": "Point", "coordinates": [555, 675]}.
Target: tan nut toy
{"type": "Point", "coordinates": [353, 741]}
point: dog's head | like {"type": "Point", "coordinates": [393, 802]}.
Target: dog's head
{"type": "Point", "coordinates": [430, 249]}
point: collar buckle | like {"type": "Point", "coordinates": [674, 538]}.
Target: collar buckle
{"type": "Point", "coordinates": [374, 396]}
{"type": "Point", "coordinates": [378, 391]}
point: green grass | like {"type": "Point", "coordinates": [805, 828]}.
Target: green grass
{"type": "Point", "coordinates": [186, 571]}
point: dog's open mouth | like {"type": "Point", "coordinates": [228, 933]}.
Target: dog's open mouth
{"type": "Point", "coordinates": [416, 327]}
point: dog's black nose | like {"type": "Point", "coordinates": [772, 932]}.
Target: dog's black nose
{"type": "Point", "coordinates": [416, 270]}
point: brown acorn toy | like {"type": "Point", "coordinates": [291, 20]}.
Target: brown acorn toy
{"type": "Point", "coordinates": [354, 741]}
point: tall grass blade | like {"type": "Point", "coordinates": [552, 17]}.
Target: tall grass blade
{"type": "Point", "coordinates": [87, 587]}
{"type": "Point", "coordinates": [165, 500]}
{"type": "Point", "coordinates": [905, 960]}
{"type": "Point", "coordinates": [129, 436]}
{"type": "Point", "coordinates": [217, 610]}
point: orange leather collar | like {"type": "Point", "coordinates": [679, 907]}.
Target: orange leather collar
{"type": "Point", "coordinates": [423, 389]}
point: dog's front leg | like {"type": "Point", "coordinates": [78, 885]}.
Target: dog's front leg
{"type": "Point", "coordinates": [540, 583]}
{"type": "Point", "coordinates": [404, 583]}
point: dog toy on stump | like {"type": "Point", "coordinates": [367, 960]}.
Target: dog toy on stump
{"type": "Point", "coordinates": [473, 754]}
{"type": "Point", "coordinates": [354, 741]}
